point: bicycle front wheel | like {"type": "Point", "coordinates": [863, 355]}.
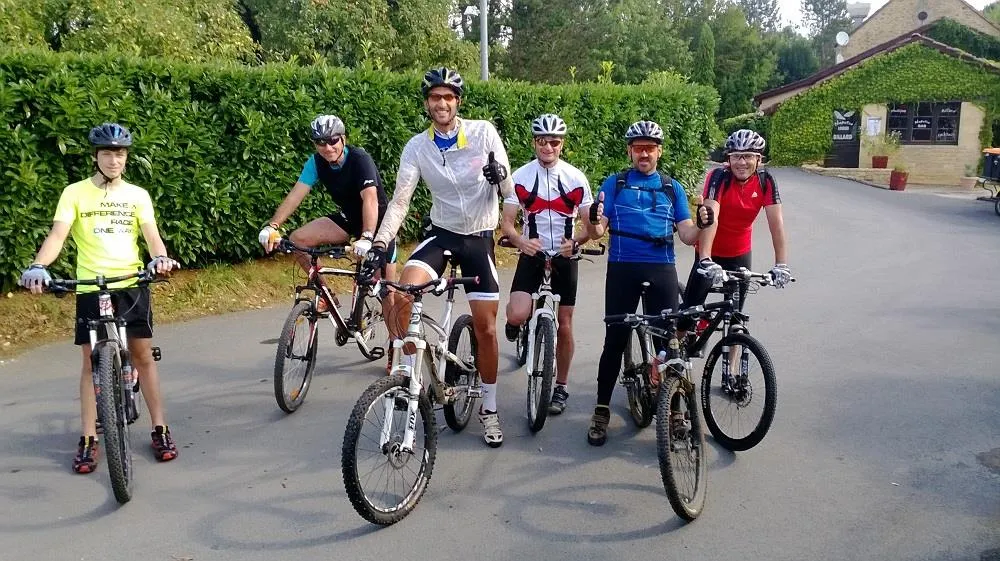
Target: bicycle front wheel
{"type": "Point", "coordinates": [739, 405]}
{"type": "Point", "coordinates": [680, 447]}
{"type": "Point", "coordinates": [384, 482]}
{"type": "Point", "coordinates": [521, 345]}
{"type": "Point", "coordinates": [462, 343]}
{"type": "Point", "coordinates": [372, 327]}
{"type": "Point", "coordinates": [542, 371]}
{"type": "Point", "coordinates": [296, 357]}
{"type": "Point", "coordinates": [111, 407]}
{"type": "Point", "coordinates": [635, 378]}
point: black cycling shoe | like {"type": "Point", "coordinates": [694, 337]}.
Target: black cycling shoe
{"type": "Point", "coordinates": [511, 331]}
{"type": "Point", "coordinates": [558, 403]}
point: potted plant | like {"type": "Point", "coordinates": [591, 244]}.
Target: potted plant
{"type": "Point", "coordinates": [897, 178]}
{"type": "Point", "coordinates": [970, 179]}
{"type": "Point", "coordinates": [881, 146]}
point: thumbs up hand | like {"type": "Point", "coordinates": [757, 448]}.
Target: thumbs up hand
{"type": "Point", "coordinates": [597, 209]}
{"type": "Point", "coordinates": [705, 215]}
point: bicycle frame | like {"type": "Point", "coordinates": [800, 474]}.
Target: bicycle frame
{"type": "Point", "coordinates": [549, 308]}
{"type": "Point", "coordinates": [438, 362]}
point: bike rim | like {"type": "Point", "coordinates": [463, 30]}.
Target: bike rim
{"type": "Point", "coordinates": [736, 402]}
{"type": "Point", "coordinates": [298, 357]}
{"type": "Point", "coordinates": [387, 476]}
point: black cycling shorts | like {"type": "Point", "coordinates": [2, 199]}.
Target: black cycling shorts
{"type": "Point", "coordinates": [473, 253]}
{"type": "Point", "coordinates": [529, 272]}
{"type": "Point", "coordinates": [354, 230]}
{"type": "Point", "coordinates": [131, 304]}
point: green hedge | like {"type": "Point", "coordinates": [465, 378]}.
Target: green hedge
{"type": "Point", "coordinates": [758, 123]}
{"type": "Point", "coordinates": [801, 129]}
{"type": "Point", "coordinates": [219, 146]}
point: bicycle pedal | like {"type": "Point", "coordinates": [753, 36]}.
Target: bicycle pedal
{"type": "Point", "coordinates": [476, 391]}
{"type": "Point", "coordinates": [157, 354]}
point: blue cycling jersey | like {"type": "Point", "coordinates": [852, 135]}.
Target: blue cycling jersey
{"type": "Point", "coordinates": [633, 211]}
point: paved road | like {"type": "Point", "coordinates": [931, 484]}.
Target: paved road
{"type": "Point", "coordinates": [889, 405]}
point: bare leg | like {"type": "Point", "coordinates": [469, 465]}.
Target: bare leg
{"type": "Point", "coordinates": [484, 323]}
{"type": "Point", "coordinates": [518, 308]}
{"type": "Point", "coordinates": [149, 378]}
{"type": "Point", "coordinates": [88, 401]}
{"type": "Point", "coordinates": [565, 345]}
{"type": "Point", "coordinates": [317, 232]}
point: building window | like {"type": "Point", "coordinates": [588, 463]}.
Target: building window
{"type": "Point", "coordinates": [925, 122]}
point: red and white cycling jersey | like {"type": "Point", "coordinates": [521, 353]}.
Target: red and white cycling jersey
{"type": "Point", "coordinates": [551, 199]}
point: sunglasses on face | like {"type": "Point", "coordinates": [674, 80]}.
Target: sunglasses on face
{"type": "Point", "coordinates": [552, 142]}
{"type": "Point", "coordinates": [328, 141]}
{"type": "Point", "coordinates": [644, 148]}
{"type": "Point", "coordinates": [743, 157]}
{"type": "Point", "coordinates": [434, 98]}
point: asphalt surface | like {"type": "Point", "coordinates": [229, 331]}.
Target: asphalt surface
{"type": "Point", "coordinates": [886, 443]}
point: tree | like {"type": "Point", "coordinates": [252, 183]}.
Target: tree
{"type": "Point", "coordinates": [825, 18]}
{"type": "Point", "coordinates": [762, 14]}
{"type": "Point", "coordinates": [703, 67]}
{"type": "Point", "coordinates": [639, 39]}
{"type": "Point", "coordinates": [992, 12]}
{"type": "Point", "coordinates": [795, 57]}
{"type": "Point", "coordinates": [743, 62]}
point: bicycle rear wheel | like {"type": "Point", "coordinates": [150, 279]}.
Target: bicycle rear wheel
{"type": "Point", "coordinates": [296, 357]}
{"type": "Point", "coordinates": [739, 407]}
{"type": "Point", "coordinates": [383, 482]}
{"type": "Point", "coordinates": [635, 378]}
{"type": "Point", "coordinates": [542, 372]}
{"type": "Point", "coordinates": [111, 406]}
{"type": "Point", "coordinates": [680, 446]}
{"type": "Point", "coordinates": [463, 344]}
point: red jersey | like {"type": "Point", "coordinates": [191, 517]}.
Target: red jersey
{"type": "Point", "coordinates": [739, 205]}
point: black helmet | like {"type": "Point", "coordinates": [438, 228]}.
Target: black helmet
{"type": "Point", "coordinates": [326, 127]}
{"type": "Point", "coordinates": [443, 76]}
{"type": "Point", "coordinates": [110, 135]}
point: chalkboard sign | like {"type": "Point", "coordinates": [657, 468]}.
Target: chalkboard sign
{"type": "Point", "coordinates": [845, 125]}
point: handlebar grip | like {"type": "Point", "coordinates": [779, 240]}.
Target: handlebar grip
{"type": "Point", "coordinates": [590, 251]}
{"type": "Point", "coordinates": [466, 280]}
{"type": "Point", "coordinates": [616, 318]}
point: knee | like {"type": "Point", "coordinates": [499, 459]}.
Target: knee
{"type": "Point", "coordinates": [298, 238]}
{"type": "Point", "coordinates": [516, 314]}
{"type": "Point", "coordinates": [485, 326]}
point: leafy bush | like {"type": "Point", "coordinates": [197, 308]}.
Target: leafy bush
{"type": "Point", "coordinates": [219, 146]}
{"type": "Point", "coordinates": [801, 127]}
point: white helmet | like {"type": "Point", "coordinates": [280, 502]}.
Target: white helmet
{"type": "Point", "coordinates": [745, 140]}
{"type": "Point", "coordinates": [327, 126]}
{"type": "Point", "coordinates": [644, 129]}
{"type": "Point", "coordinates": [548, 125]}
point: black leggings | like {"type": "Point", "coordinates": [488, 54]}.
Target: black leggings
{"type": "Point", "coordinates": [621, 296]}
{"type": "Point", "coordinates": [698, 285]}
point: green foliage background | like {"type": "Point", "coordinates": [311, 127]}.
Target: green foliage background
{"type": "Point", "coordinates": [219, 146]}
{"type": "Point", "coordinates": [801, 128]}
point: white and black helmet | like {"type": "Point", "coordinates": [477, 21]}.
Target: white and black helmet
{"type": "Point", "coordinates": [442, 76]}
{"type": "Point", "coordinates": [745, 140]}
{"type": "Point", "coordinates": [644, 130]}
{"type": "Point", "coordinates": [326, 127]}
{"type": "Point", "coordinates": [548, 125]}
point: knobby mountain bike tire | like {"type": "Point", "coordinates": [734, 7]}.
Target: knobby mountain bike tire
{"type": "Point", "coordinates": [739, 415]}
{"type": "Point", "coordinates": [542, 373]}
{"type": "Point", "coordinates": [364, 483]}
{"type": "Point", "coordinates": [521, 345]}
{"type": "Point", "coordinates": [683, 465]}
{"type": "Point", "coordinates": [111, 405]}
{"type": "Point", "coordinates": [635, 374]}
{"type": "Point", "coordinates": [297, 346]}
{"type": "Point", "coordinates": [458, 412]}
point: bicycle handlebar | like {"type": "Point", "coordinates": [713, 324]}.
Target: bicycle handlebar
{"type": "Point", "coordinates": [286, 245]}
{"type": "Point", "coordinates": [504, 241]}
{"type": "Point", "coordinates": [435, 285]}
{"type": "Point", "coordinates": [68, 285]}
{"type": "Point", "coordinates": [744, 274]}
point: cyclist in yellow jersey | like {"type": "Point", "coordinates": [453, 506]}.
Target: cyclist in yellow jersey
{"type": "Point", "coordinates": [105, 215]}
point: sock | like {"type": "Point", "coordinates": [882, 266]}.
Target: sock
{"type": "Point", "coordinates": [489, 398]}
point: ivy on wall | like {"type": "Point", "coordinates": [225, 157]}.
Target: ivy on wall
{"type": "Point", "coordinates": [801, 129]}
{"type": "Point", "coordinates": [961, 37]}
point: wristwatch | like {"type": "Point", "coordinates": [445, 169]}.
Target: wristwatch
{"type": "Point", "coordinates": [368, 236]}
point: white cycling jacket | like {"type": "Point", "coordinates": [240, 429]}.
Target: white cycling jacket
{"type": "Point", "coordinates": [462, 200]}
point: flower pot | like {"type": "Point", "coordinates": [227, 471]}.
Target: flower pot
{"type": "Point", "coordinates": [968, 182]}
{"type": "Point", "coordinates": [880, 162]}
{"type": "Point", "coordinates": [897, 180]}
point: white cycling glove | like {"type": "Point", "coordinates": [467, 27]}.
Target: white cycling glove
{"type": "Point", "coordinates": [35, 276]}
{"type": "Point", "coordinates": [362, 246]}
{"type": "Point", "coordinates": [265, 236]}
{"type": "Point", "coordinates": [781, 274]}
{"type": "Point", "coordinates": [710, 270]}
{"type": "Point", "coordinates": [162, 264]}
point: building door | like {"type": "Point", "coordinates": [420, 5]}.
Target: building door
{"type": "Point", "coordinates": [846, 148]}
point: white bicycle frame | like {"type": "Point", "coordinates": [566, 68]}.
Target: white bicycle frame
{"type": "Point", "coordinates": [550, 310]}
{"type": "Point", "coordinates": [438, 362]}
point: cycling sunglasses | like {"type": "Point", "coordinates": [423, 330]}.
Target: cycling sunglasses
{"type": "Point", "coordinates": [438, 97]}
{"type": "Point", "coordinates": [328, 141]}
{"type": "Point", "coordinates": [552, 142]}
